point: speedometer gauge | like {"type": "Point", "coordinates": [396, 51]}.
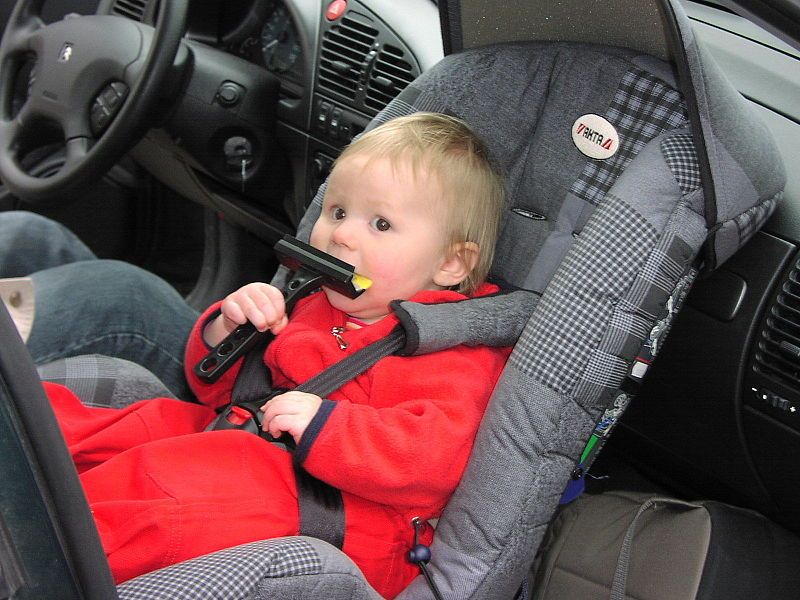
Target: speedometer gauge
{"type": "Point", "coordinates": [279, 43]}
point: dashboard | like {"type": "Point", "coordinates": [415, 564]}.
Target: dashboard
{"type": "Point", "coordinates": [262, 32]}
{"type": "Point", "coordinates": [280, 87]}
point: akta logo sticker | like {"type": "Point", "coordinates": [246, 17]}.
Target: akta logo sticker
{"type": "Point", "coordinates": [595, 136]}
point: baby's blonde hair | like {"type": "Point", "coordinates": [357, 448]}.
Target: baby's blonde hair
{"type": "Point", "coordinates": [445, 147]}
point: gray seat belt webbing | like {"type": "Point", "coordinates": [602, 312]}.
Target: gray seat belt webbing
{"type": "Point", "coordinates": [320, 505]}
{"type": "Point", "coordinates": [332, 378]}
{"type": "Point", "coordinates": [254, 381]}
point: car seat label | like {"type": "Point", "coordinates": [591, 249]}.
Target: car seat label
{"type": "Point", "coordinates": [595, 136]}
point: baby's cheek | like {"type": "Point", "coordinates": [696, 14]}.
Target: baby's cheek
{"type": "Point", "coordinates": [317, 238]}
{"type": "Point", "coordinates": [386, 266]}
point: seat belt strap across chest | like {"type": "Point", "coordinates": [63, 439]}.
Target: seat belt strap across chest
{"type": "Point", "coordinates": [331, 379]}
{"type": "Point", "coordinates": [320, 504]}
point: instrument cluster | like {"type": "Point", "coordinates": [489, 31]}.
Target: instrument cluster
{"type": "Point", "coordinates": [268, 36]}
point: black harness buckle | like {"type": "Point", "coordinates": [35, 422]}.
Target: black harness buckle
{"type": "Point", "coordinates": [247, 417]}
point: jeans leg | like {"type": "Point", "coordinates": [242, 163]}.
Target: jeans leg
{"type": "Point", "coordinates": [112, 308]}
{"type": "Point", "coordinates": [31, 242]}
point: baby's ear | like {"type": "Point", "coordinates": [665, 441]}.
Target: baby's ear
{"type": "Point", "coordinates": [458, 264]}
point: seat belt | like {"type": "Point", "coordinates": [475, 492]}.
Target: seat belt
{"type": "Point", "coordinates": [321, 507]}
{"type": "Point", "coordinates": [320, 504]}
{"type": "Point", "coordinates": [331, 379]}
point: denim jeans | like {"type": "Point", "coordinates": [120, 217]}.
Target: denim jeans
{"type": "Point", "coordinates": [87, 305]}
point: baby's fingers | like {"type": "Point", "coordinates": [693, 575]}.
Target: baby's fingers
{"type": "Point", "coordinates": [272, 304]}
{"type": "Point", "coordinates": [233, 312]}
{"type": "Point", "coordinates": [259, 303]}
{"type": "Point", "coordinates": [259, 310]}
{"type": "Point", "coordinates": [279, 424]}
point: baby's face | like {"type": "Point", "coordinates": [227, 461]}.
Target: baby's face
{"type": "Point", "coordinates": [389, 225]}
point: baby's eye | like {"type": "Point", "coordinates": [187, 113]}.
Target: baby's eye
{"type": "Point", "coordinates": [381, 224]}
{"type": "Point", "coordinates": [337, 212]}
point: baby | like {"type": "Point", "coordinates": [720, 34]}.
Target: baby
{"type": "Point", "coordinates": [413, 205]}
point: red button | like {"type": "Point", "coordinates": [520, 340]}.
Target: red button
{"type": "Point", "coordinates": [238, 416]}
{"type": "Point", "coordinates": [335, 9]}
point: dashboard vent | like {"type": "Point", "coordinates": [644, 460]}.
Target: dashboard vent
{"type": "Point", "coordinates": [390, 75]}
{"type": "Point", "coordinates": [131, 9]}
{"type": "Point", "coordinates": [778, 352]}
{"type": "Point", "coordinates": [344, 52]}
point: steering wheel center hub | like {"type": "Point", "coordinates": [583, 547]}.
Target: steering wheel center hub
{"type": "Point", "coordinates": [75, 59]}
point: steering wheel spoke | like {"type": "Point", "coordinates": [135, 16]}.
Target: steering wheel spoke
{"type": "Point", "coordinates": [76, 150]}
{"type": "Point", "coordinates": [22, 27]}
{"type": "Point", "coordinates": [10, 133]}
{"type": "Point", "coordinates": [18, 41]}
{"type": "Point", "coordinates": [25, 114]}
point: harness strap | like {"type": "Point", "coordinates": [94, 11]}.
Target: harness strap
{"type": "Point", "coordinates": [321, 508]}
{"type": "Point", "coordinates": [320, 504]}
{"type": "Point", "coordinates": [331, 379]}
{"type": "Point", "coordinates": [254, 381]}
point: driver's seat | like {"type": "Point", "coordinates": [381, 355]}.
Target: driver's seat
{"type": "Point", "coordinates": [606, 246]}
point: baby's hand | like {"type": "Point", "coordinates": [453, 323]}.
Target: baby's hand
{"type": "Point", "coordinates": [260, 303]}
{"type": "Point", "coordinates": [291, 412]}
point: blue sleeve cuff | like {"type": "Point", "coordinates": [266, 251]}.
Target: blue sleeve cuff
{"type": "Point", "coordinates": [313, 430]}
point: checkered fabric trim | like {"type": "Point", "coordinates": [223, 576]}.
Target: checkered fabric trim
{"type": "Point", "coordinates": [627, 320]}
{"type": "Point", "coordinates": [605, 369]}
{"type": "Point", "coordinates": [642, 108]}
{"type": "Point", "coordinates": [103, 380]}
{"type": "Point", "coordinates": [575, 308]}
{"type": "Point", "coordinates": [231, 573]}
{"type": "Point", "coordinates": [634, 317]}
{"type": "Point", "coordinates": [681, 158]}
{"type": "Point", "coordinates": [752, 219]}
{"type": "Point", "coordinates": [91, 378]}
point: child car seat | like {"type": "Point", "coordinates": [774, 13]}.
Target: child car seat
{"type": "Point", "coordinates": [616, 183]}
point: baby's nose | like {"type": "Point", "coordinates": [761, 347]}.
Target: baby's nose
{"type": "Point", "coordinates": [343, 234]}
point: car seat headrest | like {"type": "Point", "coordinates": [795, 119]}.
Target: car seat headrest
{"type": "Point", "coordinates": [634, 24]}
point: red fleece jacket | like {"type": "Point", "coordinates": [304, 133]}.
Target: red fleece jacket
{"type": "Point", "coordinates": [395, 440]}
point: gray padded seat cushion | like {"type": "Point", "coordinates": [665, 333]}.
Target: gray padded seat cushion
{"type": "Point", "coordinates": [104, 380]}
{"type": "Point", "coordinates": [290, 568]}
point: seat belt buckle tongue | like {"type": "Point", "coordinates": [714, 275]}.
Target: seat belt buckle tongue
{"type": "Point", "coordinates": [236, 417]}
{"type": "Point", "coordinates": [247, 417]}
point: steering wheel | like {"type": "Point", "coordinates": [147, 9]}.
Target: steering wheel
{"type": "Point", "coordinates": [97, 78]}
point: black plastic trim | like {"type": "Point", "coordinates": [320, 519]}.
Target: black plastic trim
{"type": "Point", "coordinates": [55, 516]}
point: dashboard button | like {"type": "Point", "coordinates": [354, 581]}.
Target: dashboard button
{"type": "Point", "coordinates": [325, 109]}
{"type": "Point", "coordinates": [229, 94]}
{"type": "Point", "coordinates": [333, 126]}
